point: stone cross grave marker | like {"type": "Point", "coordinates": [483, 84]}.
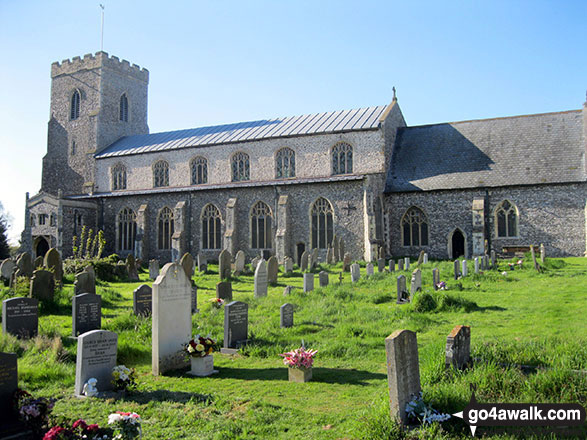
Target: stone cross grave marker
{"type": "Point", "coordinates": [355, 272]}
{"type": "Point", "coordinates": [400, 265]}
{"type": "Point", "coordinates": [323, 279]}
{"type": "Point", "coordinates": [381, 265]}
{"type": "Point", "coordinates": [435, 278]}
{"type": "Point", "coordinates": [86, 311]}
{"type": "Point", "coordinates": [304, 261]}
{"type": "Point", "coordinates": [172, 319]}
{"type": "Point", "coordinates": [407, 263]}
{"type": "Point", "coordinates": [42, 285]}
{"type": "Point", "coordinates": [421, 258]}
{"type": "Point", "coordinates": [224, 261]}
{"type": "Point", "coordinates": [457, 272]}
{"type": "Point", "coordinates": [542, 253]}
{"type": "Point", "coordinates": [131, 266]}
{"type": "Point", "coordinates": [202, 263]}
{"type": "Point", "coordinates": [403, 372]}
{"type": "Point", "coordinates": [142, 300]}
{"type": "Point", "coordinates": [425, 259]}
{"type": "Point", "coordinates": [224, 291]}
{"type": "Point", "coordinates": [239, 262]}
{"type": "Point", "coordinates": [308, 282]}
{"type": "Point", "coordinates": [369, 269]}
{"type": "Point", "coordinates": [153, 269]}
{"type": "Point", "coordinates": [85, 282]}
{"type": "Point", "coordinates": [286, 315]}
{"type": "Point", "coordinates": [493, 260]}
{"type": "Point", "coordinates": [391, 265]}
{"type": "Point", "coordinates": [464, 268]}
{"type": "Point", "coordinates": [416, 282]}
{"type": "Point", "coordinates": [8, 386]}
{"type": "Point", "coordinates": [236, 326]}
{"type": "Point", "coordinates": [476, 265]}
{"type": "Point", "coordinates": [458, 347]}
{"type": "Point", "coordinates": [272, 270]}
{"type": "Point", "coordinates": [402, 291]}
{"type": "Point", "coordinates": [288, 265]}
{"type": "Point", "coordinates": [96, 357]}
{"type": "Point", "coordinates": [346, 263]}
{"type": "Point", "coordinates": [20, 317]}
{"type": "Point", "coordinates": [261, 279]}
{"type": "Point", "coordinates": [187, 262]}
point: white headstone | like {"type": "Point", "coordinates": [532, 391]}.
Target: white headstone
{"type": "Point", "coordinates": [261, 279]}
{"type": "Point", "coordinates": [369, 269]}
{"type": "Point", "coordinates": [239, 262]}
{"type": "Point", "coordinates": [308, 282]}
{"type": "Point", "coordinates": [96, 357]}
{"type": "Point", "coordinates": [288, 265]}
{"type": "Point", "coordinates": [464, 268]}
{"type": "Point", "coordinates": [407, 263]}
{"type": "Point", "coordinates": [355, 272]}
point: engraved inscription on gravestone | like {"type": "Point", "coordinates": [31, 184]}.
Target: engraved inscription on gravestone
{"type": "Point", "coordinates": [20, 317]}
{"type": "Point", "coordinates": [96, 357]}
{"type": "Point", "coordinates": [286, 313]}
{"type": "Point", "coordinates": [8, 386]}
{"type": "Point", "coordinates": [87, 313]}
{"type": "Point", "coordinates": [236, 324]}
{"type": "Point", "coordinates": [142, 300]}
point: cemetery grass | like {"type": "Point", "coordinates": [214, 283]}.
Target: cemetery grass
{"type": "Point", "coordinates": [529, 339]}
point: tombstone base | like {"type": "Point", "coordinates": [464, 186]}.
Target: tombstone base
{"type": "Point", "coordinates": [103, 395]}
{"type": "Point", "coordinates": [230, 351]}
{"type": "Point", "coordinates": [299, 374]}
{"type": "Point", "coordinates": [202, 366]}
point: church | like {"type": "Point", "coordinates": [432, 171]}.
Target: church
{"type": "Point", "coordinates": [282, 186]}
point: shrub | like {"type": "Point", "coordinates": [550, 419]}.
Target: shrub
{"type": "Point", "coordinates": [425, 302]}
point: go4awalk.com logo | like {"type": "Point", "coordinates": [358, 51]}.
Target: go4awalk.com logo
{"type": "Point", "coordinates": [522, 414]}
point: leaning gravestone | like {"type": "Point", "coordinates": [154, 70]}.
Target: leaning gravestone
{"type": "Point", "coordinates": [458, 347]}
{"type": "Point", "coordinates": [187, 262]}
{"type": "Point", "coordinates": [391, 265]}
{"type": "Point", "coordinates": [142, 300]}
{"type": "Point", "coordinates": [42, 285]}
{"type": "Point", "coordinates": [224, 261]}
{"type": "Point", "coordinates": [286, 313]}
{"type": "Point", "coordinates": [346, 263]}
{"type": "Point", "coordinates": [476, 265]}
{"type": "Point", "coordinates": [304, 261]}
{"type": "Point", "coordinates": [416, 282]}
{"type": "Point", "coordinates": [402, 291]}
{"type": "Point", "coordinates": [153, 269]}
{"type": "Point", "coordinates": [260, 281]}
{"type": "Point", "coordinates": [7, 268]}
{"type": "Point", "coordinates": [421, 257]}
{"type": "Point", "coordinates": [86, 311]}
{"type": "Point", "coordinates": [400, 265]}
{"type": "Point", "coordinates": [25, 265]}
{"type": "Point", "coordinates": [323, 278]}
{"type": "Point", "coordinates": [288, 265]}
{"type": "Point", "coordinates": [8, 386]}
{"type": "Point", "coordinates": [381, 265]}
{"type": "Point", "coordinates": [457, 272]}
{"type": "Point", "coordinates": [38, 263]}
{"type": "Point", "coordinates": [403, 372]}
{"type": "Point", "coordinates": [369, 269]}
{"type": "Point", "coordinates": [308, 282]}
{"type": "Point", "coordinates": [355, 272]}
{"type": "Point", "coordinates": [464, 268]}
{"type": "Point", "coordinates": [224, 291]}
{"type": "Point", "coordinates": [435, 278]}
{"type": "Point", "coordinates": [239, 262]}
{"type": "Point", "coordinates": [407, 263]}
{"type": "Point", "coordinates": [202, 263]}
{"type": "Point", "coordinates": [131, 266]}
{"type": "Point", "coordinates": [272, 270]}
{"type": "Point", "coordinates": [85, 282]}
{"type": "Point", "coordinates": [20, 317]}
{"type": "Point", "coordinates": [96, 357]}
{"type": "Point", "coordinates": [172, 319]}
{"type": "Point", "coordinates": [236, 326]}
{"type": "Point", "coordinates": [330, 256]}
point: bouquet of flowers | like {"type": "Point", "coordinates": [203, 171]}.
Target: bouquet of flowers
{"type": "Point", "coordinates": [123, 378]}
{"type": "Point", "coordinates": [217, 302]}
{"type": "Point", "coordinates": [79, 430]}
{"type": "Point", "coordinates": [33, 412]}
{"type": "Point", "coordinates": [200, 346]}
{"type": "Point", "coordinates": [418, 410]}
{"type": "Point", "coordinates": [299, 358]}
{"type": "Point", "coordinates": [441, 286]}
{"type": "Point", "coordinates": [126, 425]}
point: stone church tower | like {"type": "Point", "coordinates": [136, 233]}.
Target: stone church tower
{"type": "Point", "coordinates": [95, 100]}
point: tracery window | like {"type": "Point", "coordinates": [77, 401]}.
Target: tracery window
{"type": "Point", "coordinates": [415, 227]}
{"type": "Point", "coordinates": [165, 228]}
{"type": "Point", "coordinates": [123, 116]}
{"type": "Point", "coordinates": [199, 167]}
{"type": "Point", "coordinates": [75, 105]}
{"type": "Point", "coordinates": [211, 227]}
{"type": "Point", "coordinates": [160, 174]}
{"type": "Point", "coordinates": [127, 229]}
{"type": "Point", "coordinates": [342, 158]}
{"type": "Point", "coordinates": [118, 177]}
{"type": "Point", "coordinates": [261, 226]}
{"type": "Point", "coordinates": [322, 223]}
{"type": "Point", "coordinates": [285, 163]}
{"type": "Point", "coordinates": [506, 219]}
{"type": "Point", "coordinates": [240, 167]}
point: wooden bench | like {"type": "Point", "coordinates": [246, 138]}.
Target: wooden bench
{"type": "Point", "coordinates": [515, 251]}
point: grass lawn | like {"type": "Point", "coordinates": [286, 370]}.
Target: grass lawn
{"type": "Point", "coordinates": [523, 318]}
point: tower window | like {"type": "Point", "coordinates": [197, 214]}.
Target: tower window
{"type": "Point", "coordinates": [42, 219]}
{"type": "Point", "coordinates": [75, 105]}
{"type": "Point", "coordinates": [123, 108]}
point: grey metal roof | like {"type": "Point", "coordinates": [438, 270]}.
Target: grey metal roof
{"type": "Point", "coordinates": [520, 150]}
{"type": "Point", "coordinates": [329, 122]}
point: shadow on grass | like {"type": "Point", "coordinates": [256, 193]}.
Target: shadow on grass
{"type": "Point", "coordinates": [144, 397]}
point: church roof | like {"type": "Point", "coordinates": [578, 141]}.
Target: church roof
{"type": "Point", "coordinates": [519, 150]}
{"type": "Point", "coordinates": [319, 123]}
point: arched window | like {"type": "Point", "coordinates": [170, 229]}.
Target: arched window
{"type": "Point", "coordinates": [261, 226]}
{"type": "Point", "coordinates": [52, 220]}
{"type": "Point", "coordinates": [165, 228]}
{"type": "Point", "coordinates": [73, 148]}
{"type": "Point", "coordinates": [199, 167]}
{"type": "Point", "coordinates": [160, 174]}
{"type": "Point", "coordinates": [322, 223]}
{"type": "Point", "coordinates": [118, 177]}
{"type": "Point", "coordinates": [285, 163]}
{"type": "Point", "coordinates": [75, 105]}
{"type": "Point", "coordinates": [506, 219]}
{"type": "Point", "coordinates": [211, 228]}
{"type": "Point", "coordinates": [240, 167]}
{"type": "Point", "coordinates": [123, 116]}
{"type": "Point", "coordinates": [342, 158]}
{"type": "Point", "coordinates": [127, 229]}
{"type": "Point", "coordinates": [415, 228]}
{"type": "Point", "coordinates": [32, 219]}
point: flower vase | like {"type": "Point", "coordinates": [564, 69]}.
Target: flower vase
{"type": "Point", "coordinates": [202, 366]}
{"type": "Point", "coordinates": [299, 374]}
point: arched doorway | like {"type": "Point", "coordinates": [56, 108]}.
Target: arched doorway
{"type": "Point", "coordinates": [42, 247]}
{"type": "Point", "coordinates": [457, 242]}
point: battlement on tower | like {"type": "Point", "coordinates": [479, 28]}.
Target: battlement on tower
{"type": "Point", "coordinates": [100, 59]}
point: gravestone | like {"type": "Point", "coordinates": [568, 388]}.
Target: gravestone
{"type": "Point", "coordinates": [236, 326]}
{"type": "Point", "coordinates": [476, 265]}
{"type": "Point", "coordinates": [425, 259]}
{"type": "Point", "coordinates": [202, 263]}
{"type": "Point", "coordinates": [403, 372]}
{"type": "Point", "coordinates": [261, 279]}
{"type": "Point", "coordinates": [38, 263]}
{"type": "Point", "coordinates": [381, 265]}
{"type": "Point", "coordinates": [286, 317]}
{"type": "Point", "coordinates": [7, 268]}
{"type": "Point", "coordinates": [458, 347]}
{"type": "Point", "coordinates": [187, 262]}
{"type": "Point", "coordinates": [457, 272]}
{"type": "Point", "coordinates": [142, 300]}
{"type": "Point", "coordinates": [435, 278]}
{"type": "Point", "coordinates": [224, 261]}
{"type": "Point", "coordinates": [486, 260]}
{"type": "Point", "coordinates": [224, 291]}
{"type": "Point", "coordinates": [369, 269]}
{"type": "Point", "coordinates": [400, 265]}
{"type": "Point", "coordinates": [25, 265]}
{"type": "Point", "coordinates": [86, 313]}
{"type": "Point", "coordinates": [391, 265]}
{"type": "Point", "coordinates": [416, 282]}
{"type": "Point", "coordinates": [355, 272]}
{"type": "Point", "coordinates": [464, 268]}
{"type": "Point", "coordinates": [131, 267]}
{"type": "Point", "coordinates": [402, 291]}
{"type": "Point", "coordinates": [153, 269]}
{"type": "Point", "coordinates": [304, 261]}
{"type": "Point", "coordinates": [288, 265]}
{"type": "Point", "coordinates": [346, 263]}
{"type": "Point", "coordinates": [421, 258]}
{"type": "Point", "coordinates": [494, 260]}
{"type": "Point", "coordinates": [330, 256]}
{"type": "Point", "coordinates": [313, 258]}
{"type": "Point", "coordinates": [20, 317]}
{"type": "Point", "coordinates": [335, 249]}
{"type": "Point", "coordinates": [288, 290]}
{"type": "Point", "coordinates": [42, 285]}
{"type": "Point", "coordinates": [272, 270]}
{"type": "Point", "coordinates": [90, 269]}
{"type": "Point", "coordinates": [239, 262]}
{"type": "Point", "coordinates": [323, 279]}
{"type": "Point", "coordinates": [96, 357]}
{"type": "Point", "coordinates": [84, 283]}
{"type": "Point", "coordinates": [8, 386]}
{"type": "Point", "coordinates": [255, 263]}
{"type": "Point", "coordinates": [172, 319]}
{"type": "Point", "coordinates": [341, 253]}
{"type": "Point", "coordinates": [121, 270]}
{"type": "Point", "coordinates": [308, 282]}
{"type": "Point", "coordinates": [542, 253]}
{"type": "Point", "coordinates": [194, 298]}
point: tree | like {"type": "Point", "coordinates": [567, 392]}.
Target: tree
{"type": "Point", "coordinates": [4, 225]}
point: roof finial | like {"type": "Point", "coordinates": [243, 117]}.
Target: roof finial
{"type": "Point", "coordinates": [394, 98]}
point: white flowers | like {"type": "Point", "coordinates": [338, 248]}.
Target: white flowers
{"type": "Point", "coordinates": [418, 409]}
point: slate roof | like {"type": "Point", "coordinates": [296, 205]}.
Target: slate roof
{"type": "Point", "coordinates": [329, 122]}
{"type": "Point", "coordinates": [519, 150]}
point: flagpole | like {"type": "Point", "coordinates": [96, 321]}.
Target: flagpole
{"type": "Point", "coordinates": [102, 30]}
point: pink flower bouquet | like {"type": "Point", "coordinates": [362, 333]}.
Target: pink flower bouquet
{"type": "Point", "coordinates": [299, 358]}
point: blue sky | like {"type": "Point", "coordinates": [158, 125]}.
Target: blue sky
{"type": "Point", "coordinates": [220, 62]}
